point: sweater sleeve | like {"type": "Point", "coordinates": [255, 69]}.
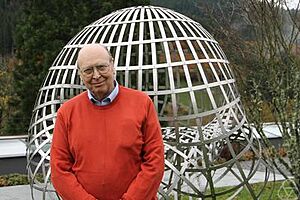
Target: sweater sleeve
{"type": "Point", "coordinates": [146, 183]}
{"type": "Point", "coordinates": [61, 161]}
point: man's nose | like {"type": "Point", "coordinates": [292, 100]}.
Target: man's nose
{"type": "Point", "coordinates": [96, 73]}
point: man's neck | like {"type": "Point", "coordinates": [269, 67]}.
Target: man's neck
{"type": "Point", "coordinates": [107, 98]}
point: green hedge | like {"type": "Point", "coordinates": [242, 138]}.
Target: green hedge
{"type": "Point", "coordinates": [13, 179]}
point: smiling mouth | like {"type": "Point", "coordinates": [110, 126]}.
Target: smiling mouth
{"type": "Point", "coordinates": [99, 84]}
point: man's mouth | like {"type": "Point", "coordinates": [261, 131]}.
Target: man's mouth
{"type": "Point", "coordinates": [98, 84]}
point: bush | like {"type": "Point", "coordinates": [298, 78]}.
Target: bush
{"type": "Point", "coordinates": [13, 179]}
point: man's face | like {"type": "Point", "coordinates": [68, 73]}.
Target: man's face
{"type": "Point", "coordinates": [96, 70]}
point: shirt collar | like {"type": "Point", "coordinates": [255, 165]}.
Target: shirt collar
{"type": "Point", "coordinates": [107, 100]}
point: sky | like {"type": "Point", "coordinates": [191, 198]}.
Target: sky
{"type": "Point", "coordinates": [293, 3]}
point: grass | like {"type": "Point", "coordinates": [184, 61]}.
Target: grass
{"type": "Point", "coordinates": [276, 193]}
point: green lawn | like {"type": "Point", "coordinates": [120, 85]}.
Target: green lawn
{"type": "Point", "coordinates": [278, 192]}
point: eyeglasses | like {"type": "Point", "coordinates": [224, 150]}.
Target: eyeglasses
{"type": "Point", "coordinates": [89, 71]}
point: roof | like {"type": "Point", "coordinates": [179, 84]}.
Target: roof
{"type": "Point", "coordinates": [271, 131]}
{"type": "Point", "coordinates": [12, 148]}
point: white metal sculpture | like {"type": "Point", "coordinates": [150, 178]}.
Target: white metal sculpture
{"type": "Point", "coordinates": [183, 69]}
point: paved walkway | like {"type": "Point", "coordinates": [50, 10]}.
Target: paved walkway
{"type": "Point", "coordinates": [21, 192]}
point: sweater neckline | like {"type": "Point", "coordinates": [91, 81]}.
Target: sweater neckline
{"type": "Point", "coordinates": [106, 106]}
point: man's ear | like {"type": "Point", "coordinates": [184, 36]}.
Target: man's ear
{"type": "Point", "coordinates": [114, 72]}
{"type": "Point", "coordinates": [81, 79]}
{"type": "Point", "coordinates": [113, 67]}
{"type": "Point", "coordinates": [79, 74]}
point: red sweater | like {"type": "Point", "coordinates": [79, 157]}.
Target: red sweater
{"type": "Point", "coordinates": [107, 153]}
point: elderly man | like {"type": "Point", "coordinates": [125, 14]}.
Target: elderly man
{"type": "Point", "coordinates": [107, 142]}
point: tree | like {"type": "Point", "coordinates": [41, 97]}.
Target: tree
{"type": "Point", "coordinates": [9, 10]}
{"type": "Point", "coordinates": [5, 93]}
{"type": "Point", "coordinates": [44, 28]}
{"type": "Point", "coordinates": [267, 66]}
{"type": "Point", "coordinates": [8, 13]}
{"type": "Point", "coordinates": [275, 83]}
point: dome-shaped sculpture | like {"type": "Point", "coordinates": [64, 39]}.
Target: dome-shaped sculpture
{"type": "Point", "coordinates": [183, 69]}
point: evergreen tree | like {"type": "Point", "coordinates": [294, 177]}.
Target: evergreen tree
{"type": "Point", "coordinates": [8, 13]}
{"type": "Point", "coordinates": [45, 27]}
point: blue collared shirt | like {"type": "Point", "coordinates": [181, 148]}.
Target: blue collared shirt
{"type": "Point", "coordinates": [107, 100]}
